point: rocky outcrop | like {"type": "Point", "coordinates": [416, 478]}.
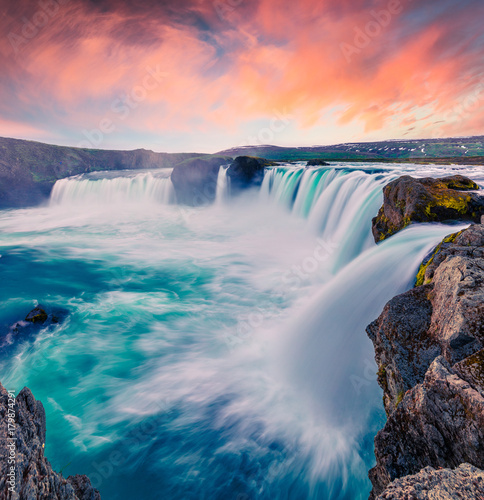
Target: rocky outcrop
{"type": "Point", "coordinates": [317, 163]}
{"type": "Point", "coordinates": [439, 423]}
{"type": "Point", "coordinates": [245, 172]}
{"type": "Point", "coordinates": [408, 200]}
{"type": "Point", "coordinates": [37, 315]}
{"type": "Point", "coordinates": [465, 483]}
{"type": "Point", "coordinates": [25, 473]}
{"type": "Point", "coordinates": [195, 180]}
{"type": "Point", "coordinates": [40, 317]}
{"type": "Point", "coordinates": [429, 346]}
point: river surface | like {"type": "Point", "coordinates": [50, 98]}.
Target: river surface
{"type": "Point", "coordinates": [215, 352]}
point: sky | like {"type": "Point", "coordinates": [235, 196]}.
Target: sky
{"type": "Point", "coordinates": [196, 75]}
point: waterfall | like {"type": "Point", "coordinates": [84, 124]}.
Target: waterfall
{"type": "Point", "coordinates": [223, 188]}
{"type": "Point", "coordinates": [238, 329]}
{"type": "Point", "coordinates": [338, 204]}
{"type": "Point", "coordinates": [113, 188]}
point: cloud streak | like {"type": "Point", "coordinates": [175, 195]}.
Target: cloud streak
{"type": "Point", "coordinates": [376, 68]}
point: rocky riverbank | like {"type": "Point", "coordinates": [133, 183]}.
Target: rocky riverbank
{"type": "Point", "coordinates": [429, 347]}
{"type": "Point", "coordinates": [25, 473]}
{"type": "Point", "coordinates": [407, 200]}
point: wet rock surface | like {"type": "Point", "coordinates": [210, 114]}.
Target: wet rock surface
{"type": "Point", "coordinates": [429, 346]}
{"type": "Point", "coordinates": [37, 319]}
{"type": "Point", "coordinates": [37, 315]}
{"type": "Point", "coordinates": [408, 200]}
{"type": "Point", "coordinates": [195, 180]}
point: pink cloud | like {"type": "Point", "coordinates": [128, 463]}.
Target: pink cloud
{"type": "Point", "coordinates": [262, 58]}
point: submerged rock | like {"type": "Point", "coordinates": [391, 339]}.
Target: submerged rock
{"type": "Point", "coordinates": [41, 317]}
{"type": "Point", "coordinates": [32, 476]}
{"type": "Point", "coordinates": [408, 200]}
{"type": "Point", "coordinates": [429, 346]}
{"type": "Point", "coordinates": [466, 483]}
{"type": "Point", "coordinates": [37, 315]}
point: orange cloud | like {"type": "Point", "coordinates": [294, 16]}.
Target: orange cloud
{"type": "Point", "coordinates": [372, 62]}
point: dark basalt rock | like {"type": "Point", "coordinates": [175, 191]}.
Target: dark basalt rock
{"type": "Point", "coordinates": [39, 318]}
{"type": "Point", "coordinates": [245, 172]}
{"type": "Point", "coordinates": [317, 163]}
{"type": "Point", "coordinates": [429, 346]}
{"type": "Point", "coordinates": [408, 200]}
{"type": "Point", "coordinates": [37, 315]}
{"type": "Point", "coordinates": [465, 483]}
{"type": "Point", "coordinates": [195, 180]}
{"type": "Point", "coordinates": [34, 477]}
{"type": "Point", "coordinates": [439, 423]}
{"type": "Point", "coordinates": [403, 346]}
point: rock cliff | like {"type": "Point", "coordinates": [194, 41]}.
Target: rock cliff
{"type": "Point", "coordinates": [429, 347]}
{"type": "Point", "coordinates": [25, 473]}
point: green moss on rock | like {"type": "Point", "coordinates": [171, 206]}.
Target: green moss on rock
{"type": "Point", "coordinates": [408, 200]}
{"type": "Point", "coordinates": [422, 272]}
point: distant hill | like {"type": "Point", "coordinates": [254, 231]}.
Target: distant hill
{"type": "Point", "coordinates": [465, 147]}
{"type": "Point", "coordinates": [29, 169]}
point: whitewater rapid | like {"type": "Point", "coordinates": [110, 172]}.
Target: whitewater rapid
{"type": "Point", "coordinates": [220, 351]}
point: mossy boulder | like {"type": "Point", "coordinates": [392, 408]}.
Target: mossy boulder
{"type": "Point", "coordinates": [37, 315]}
{"type": "Point", "coordinates": [408, 200]}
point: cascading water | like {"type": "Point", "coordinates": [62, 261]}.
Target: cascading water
{"type": "Point", "coordinates": [214, 352]}
{"type": "Point", "coordinates": [336, 203]}
{"type": "Point", "coordinates": [112, 188]}
{"type": "Point", "coordinates": [223, 189]}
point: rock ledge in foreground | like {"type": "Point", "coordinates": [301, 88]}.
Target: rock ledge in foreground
{"type": "Point", "coordinates": [465, 483]}
{"type": "Point", "coordinates": [34, 477]}
{"type": "Point", "coordinates": [429, 347]}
